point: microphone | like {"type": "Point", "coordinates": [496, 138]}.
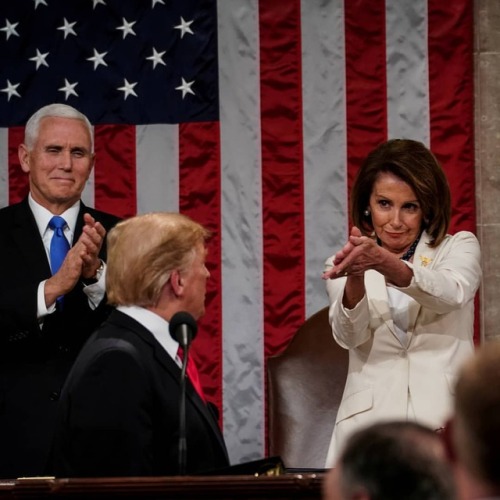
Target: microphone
{"type": "Point", "coordinates": [182, 327]}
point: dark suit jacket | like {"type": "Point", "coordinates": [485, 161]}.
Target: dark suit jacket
{"type": "Point", "coordinates": [119, 410]}
{"type": "Point", "coordinates": [34, 362]}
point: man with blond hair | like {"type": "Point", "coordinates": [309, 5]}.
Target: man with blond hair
{"type": "Point", "coordinates": [119, 410]}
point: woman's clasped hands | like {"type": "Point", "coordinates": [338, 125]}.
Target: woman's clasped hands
{"type": "Point", "coordinates": [359, 254]}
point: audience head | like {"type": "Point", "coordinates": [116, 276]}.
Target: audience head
{"type": "Point", "coordinates": [475, 427]}
{"type": "Point", "coordinates": [157, 261]}
{"type": "Point", "coordinates": [415, 165]}
{"type": "Point", "coordinates": [58, 156]}
{"type": "Point", "coordinates": [391, 461]}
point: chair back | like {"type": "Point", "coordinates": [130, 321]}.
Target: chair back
{"type": "Point", "coordinates": [305, 386]}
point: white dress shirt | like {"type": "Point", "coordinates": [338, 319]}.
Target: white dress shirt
{"type": "Point", "coordinates": [94, 292]}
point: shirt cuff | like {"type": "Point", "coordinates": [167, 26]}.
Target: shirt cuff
{"type": "Point", "coordinates": [96, 291]}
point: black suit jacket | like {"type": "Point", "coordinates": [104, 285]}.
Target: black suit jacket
{"type": "Point", "coordinates": [34, 362]}
{"type": "Point", "coordinates": [119, 410]}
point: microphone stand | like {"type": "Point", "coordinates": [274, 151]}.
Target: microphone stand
{"type": "Point", "coordinates": [182, 415]}
{"type": "Point", "coordinates": [182, 328]}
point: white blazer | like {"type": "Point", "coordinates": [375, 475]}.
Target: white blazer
{"type": "Point", "coordinates": [385, 377]}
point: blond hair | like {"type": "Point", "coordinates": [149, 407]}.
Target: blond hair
{"type": "Point", "coordinates": [144, 250]}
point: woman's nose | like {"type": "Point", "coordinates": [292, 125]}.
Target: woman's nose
{"type": "Point", "coordinates": [396, 218]}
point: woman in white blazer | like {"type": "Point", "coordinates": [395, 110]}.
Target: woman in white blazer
{"type": "Point", "coordinates": [401, 293]}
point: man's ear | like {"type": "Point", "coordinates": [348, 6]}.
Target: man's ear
{"type": "Point", "coordinates": [24, 157]}
{"type": "Point", "coordinates": [177, 283]}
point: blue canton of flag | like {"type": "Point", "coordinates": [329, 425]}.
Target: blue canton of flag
{"type": "Point", "coordinates": [118, 61]}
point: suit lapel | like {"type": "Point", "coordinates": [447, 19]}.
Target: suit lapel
{"type": "Point", "coordinates": [377, 289]}
{"type": "Point", "coordinates": [171, 367]}
{"type": "Point", "coordinates": [424, 257]}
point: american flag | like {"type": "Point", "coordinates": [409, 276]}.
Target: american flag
{"type": "Point", "coordinates": [251, 116]}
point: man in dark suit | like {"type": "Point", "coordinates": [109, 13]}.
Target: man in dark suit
{"type": "Point", "coordinates": [119, 409]}
{"type": "Point", "coordinates": [47, 314]}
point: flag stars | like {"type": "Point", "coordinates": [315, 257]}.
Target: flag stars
{"type": "Point", "coordinates": [156, 58]}
{"type": "Point", "coordinates": [68, 89]}
{"type": "Point", "coordinates": [97, 2]}
{"type": "Point", "coordinates": [184, 27]}
{"type": "Point", "coordinates": [185, 87]}
{"type": "Point", "coordinates": [10, 29]}
{"type": "Point", "coordinates": [126, 27]}
{"type": "Point", "coordinates": [67, 27]}
{"type": "Point", "coordinates": [128, 89]}
{"type": "Point", "coordinates": [10, 90]}
{"type": "Point", "coordinates": [40, 2]}
{"type": "Point", "coordinates": [157, 1]}
{"type": "Point", "coordinates": [98, 59]}
{"type": "Point", "coordinates": [40, 59]}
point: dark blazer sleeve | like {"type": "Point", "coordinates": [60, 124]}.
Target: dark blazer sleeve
{"type": "Point", "coordinates": [25, 266]}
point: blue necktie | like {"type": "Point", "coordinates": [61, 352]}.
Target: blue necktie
{"type": "Point", "coordinates": [59, 247]}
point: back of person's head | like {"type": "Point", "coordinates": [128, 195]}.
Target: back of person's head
{"type": "Point", "coordinates": [392, 461]}
{"type": "Point", "coordinates": [476, 419]}
{"type": "Point", "coordinates": [55, 110]}
{"type": "Point", "coordinates": [144, 250]}
{"type": "Point", "coordinates": [415, 165]}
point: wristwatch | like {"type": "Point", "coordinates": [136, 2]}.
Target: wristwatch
{"type": "Point", "coordinates": [97, 276]}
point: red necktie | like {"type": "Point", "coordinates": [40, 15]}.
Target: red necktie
{"type": "Point", "coordinates": [192, 373]}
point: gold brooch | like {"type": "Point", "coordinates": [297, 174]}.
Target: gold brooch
{"type": "Point", "coordinates": [425, 261]}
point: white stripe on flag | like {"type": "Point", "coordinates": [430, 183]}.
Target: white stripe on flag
{"type": "Point", "coordinates": [242, 273]}
{"type": "Point", "coordinates": [157, 168]}
{"type": "Point", "coordinates": [323, 82]}
{"type": "Point", "coordinates": [407, 70]}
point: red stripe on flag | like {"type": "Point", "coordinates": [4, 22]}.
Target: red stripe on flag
{"type": "Point", "coordinates": [366, 84]}
{"type": "Point", "coordinates": [114, 171]}
{"type": "Point", "coordinates": [199, 198]}
{"type": "Point", "coordinates": [18, 180]}
{"type": "Point", "coordinates": [451, 103]}
{"type": "Point", "coordinates": [282, 171]}
{"type": "Point", "coordinates": [451, 90]}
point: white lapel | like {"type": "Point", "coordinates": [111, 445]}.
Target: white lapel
{"type": "Point", "coordinates": [376, 291]}
{"type": "Point", "coordinates": [377, 295]}
{"type": "Point", "coordinates": [424, 257]}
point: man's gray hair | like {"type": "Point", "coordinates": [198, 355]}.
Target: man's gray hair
{"type": "Point", "coordinates": [55, 110]}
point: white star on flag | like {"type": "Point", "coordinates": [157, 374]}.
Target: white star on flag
{"type": "Point", "coordinates": [40, 2]}
{"type": "Point", "coordinates": [98, 59]}
{"type": "Point", "coordinates": [185, 87]}
{"type": "Point", "coordinates": [128, 89]}
{"type": "Point", "coordinates": [184, 27]}
{"type": "Point", "coordinates": [126, 27]}
{"type": "Point", "coordinates": [68, 89]}
{"type": "Point", "coordinates": [156, 58]}
{"type": "Point", "coordinates": [97, 2]}
{"type": "Point", "coordinates": [157, 1]}
{"type": "Point", "coordinates": [11, 90]}
{"type": "Point", "coordinates": [67, 27]}
{"type": "Point", "coordinates": [10, 29]}
{"type": "Point", "coordinates": [40, 59]}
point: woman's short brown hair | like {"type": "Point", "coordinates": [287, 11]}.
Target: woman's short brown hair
{"type": "Point", "coordinates": [144, 250]}
{"type": "Point", "coordinates": [414, 164]}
